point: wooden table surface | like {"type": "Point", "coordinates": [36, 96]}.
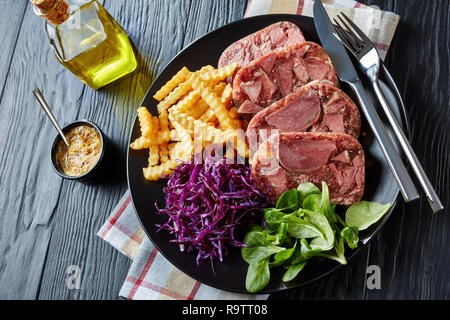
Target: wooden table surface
{"type": "Point", "coordinates": [47, 224]}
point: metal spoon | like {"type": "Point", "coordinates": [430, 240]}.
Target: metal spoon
{"type": "Point", "coordinates": [38, 94]}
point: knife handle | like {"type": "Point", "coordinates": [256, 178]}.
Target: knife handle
{"type": "Point", "coordinates": [433, 199]}
{"type": "Point", "coordinates": [393, 159]}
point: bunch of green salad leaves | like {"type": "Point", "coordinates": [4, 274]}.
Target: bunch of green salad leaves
{"type": "Point", "coordinates": [303, 225]}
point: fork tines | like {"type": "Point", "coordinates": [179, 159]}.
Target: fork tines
{"type": "Point", "coordinates": [353, 37]}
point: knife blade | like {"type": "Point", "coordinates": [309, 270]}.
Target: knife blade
{"type": "Point", "coordinates": [335, 49]}
{"type": "Point", "coordinates": [347, 73]}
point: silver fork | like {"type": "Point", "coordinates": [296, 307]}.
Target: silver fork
{"type": "Point", "coordinates": [365, 52]}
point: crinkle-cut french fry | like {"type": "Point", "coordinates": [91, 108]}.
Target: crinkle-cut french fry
{"type": "Point", "coordinates": [182, 89]}
{"type": "Point", "coordinates": [208, 116]}
{"type": "Point", "coordinates": [227, 95]}
{"type": "Point", "coordinates": [170, 147]}
{"type": "Point", "coordinates": [186, 142]}
{"type": "Point", "coordinates": [186, 103]}
{"type": "Point", "coordinates": [145, 121]}
{"type": "Point", "coordinates": [202, 107]}
{"type": "Point", "coordinates": [164, 120]}
{"type": "Point", "coordinates": [163, 153]}
{"type": "Point", "coordinates": [193, 105]}
{"type": "Point", "coordinates": [209, 134]}
{"type": "Point", "coordinates": [214, 102]}
{"type": "Point", "coordinates": [179, 153]}
{"type": "Point", "coordinates": [172, 84]}
{"type": "Point", "coordinates": [220, 74]}
{"type": "Point", "coordinates": [156, 172]}
{"type": "Point", "coordinates": [233, 113]}
{"type": "Point", "coordinates": [153, 156]}
{"type": "Point", "coordinates": [173, 134]}
{"type": "Point", "coordinates": [205, 69]}
{"type": "Point", "coordinates": [163, 134]}
{"type": "Point", "coordinates": [198, 109]}
{"type": "Point", "coordinates": [155, 126]}
{"type": "Point", "coordinates": [160, 138]}
{"type": "Point", "coordinates": [219, 88]}
{"type": "Point", "coordinates": [186, 122]}
{"type": "Point", "coordinates": [140, 143]}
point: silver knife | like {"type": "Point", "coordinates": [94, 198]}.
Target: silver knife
{"type": "Point", "coordinates": [347, 73]}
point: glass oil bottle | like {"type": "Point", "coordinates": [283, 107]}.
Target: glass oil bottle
{"type": "Point", "coordinates": [87, 40]}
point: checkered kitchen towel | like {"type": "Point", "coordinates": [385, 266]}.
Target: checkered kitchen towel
{"type": "Point", "coordinates": [151, 276]}
{"type": "Point", "coordinates": [378, 25]}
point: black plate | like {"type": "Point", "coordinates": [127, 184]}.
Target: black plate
{"type": "Point", "coordinates": [230, 274]}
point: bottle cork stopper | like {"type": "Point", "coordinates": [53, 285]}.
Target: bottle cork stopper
{"type": "Point", "coordinates": [55, 11]}
{"type": "Point", "coordinates": [44, 5]}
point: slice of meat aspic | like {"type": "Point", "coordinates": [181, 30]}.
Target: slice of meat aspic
{"type": "Point", "coordinates": [275, 75]}
{"type": "Point", "coordinates": [316, 107]}
{"type": "Point", "coordinates": [284, 161]}
{"type": "Point", "coordinates": [278, 35]}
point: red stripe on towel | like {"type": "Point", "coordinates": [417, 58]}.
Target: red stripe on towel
{"type": "Point", "coordinates": [147, 266]}
{"type": "Point", "coordinates": [113, 220]}
{"type": "Point", "coordinates": [301, 3]}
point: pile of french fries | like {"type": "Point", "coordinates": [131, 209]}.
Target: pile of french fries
{"type": "Point", "coordinates": [195, 110]}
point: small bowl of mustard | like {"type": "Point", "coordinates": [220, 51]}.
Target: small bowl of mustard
{"type": "Point", "coordinates": [82, 159]}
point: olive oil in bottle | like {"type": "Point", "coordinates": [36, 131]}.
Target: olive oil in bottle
{"type": "Point", "coordinates": [87, 40]}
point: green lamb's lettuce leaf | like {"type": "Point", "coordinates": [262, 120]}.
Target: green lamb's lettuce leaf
{"type": "Point", "coordinates": [258, 275]}
{"type": "Point", "coordinates": [365, 213]}
{"type": "Point", "coordinates": [324, 242]}
{"type": "Point", "coordinates": [254, 254]}
{"type": "Point", "coordinates": [302, 225]}
{"type": "Point", "coordinates": [350, 235]}
{"type": "Point", "coordinates": [288, 201]}
{"type": "Point", "coordinates": [282, 232]}
{"type": "Point", "coordinates": [339, 252]}
{"type": "Point", "coordinates": [299, 260]}
{"type": "Point", "coordinates": [293, 271]}
{"type": "Point", "coordinates": [306, 189]}
{"type": "Point", "coordinates": [312, 202]}
{"type": "Point", "coordinates": [283, 256]}
{"type": "Point", "coordinates": [325, 205]}
{"type": "Point", "coordinates": [301, 229]}
{"type": "Point", "coordinates": [261, 246]}
{"type": "Point", "coordinates": [257, 238]}
{"type": "Point", "coordinates": [274, 217]}
{"type": "Point", "coordinates": [302, 253]}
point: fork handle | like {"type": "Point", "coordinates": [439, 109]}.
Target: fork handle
{"type": "Point", "coordinates": [433, 199]}
{"type": "Point", "coordinates": [393, 159]}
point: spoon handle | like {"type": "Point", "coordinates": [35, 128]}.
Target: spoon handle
{"type": "Point", "coordinates": [38, 94]}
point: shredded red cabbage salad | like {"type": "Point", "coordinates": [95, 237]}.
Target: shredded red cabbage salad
{"type": "Point", "coordinates": [205, 202]}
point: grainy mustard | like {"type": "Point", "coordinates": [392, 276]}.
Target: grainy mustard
{"type": "Point", "coordinates": [83, 153]}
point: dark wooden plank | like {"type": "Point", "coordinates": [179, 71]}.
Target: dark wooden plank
{"type": "Point", "coordinates": [159, 30]}
{"type": "Point", "coordinates": [412, 250]}
{"type": "Point", "coordinates": [11, 17]}
{"type": "Point", "coordinates": [30, 189]}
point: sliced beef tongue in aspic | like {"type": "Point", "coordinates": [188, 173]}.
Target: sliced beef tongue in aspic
{"type": "Point", "coordinates": [278, 35]}
{"type": "Point", "coordinates": [335, 158]}
{"type": "Point", "coordinates": [277, 74]}
{"type": "Point", "coordinates": [316, 107]}
{"type": "Point", "coordinates": [298, 112]}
